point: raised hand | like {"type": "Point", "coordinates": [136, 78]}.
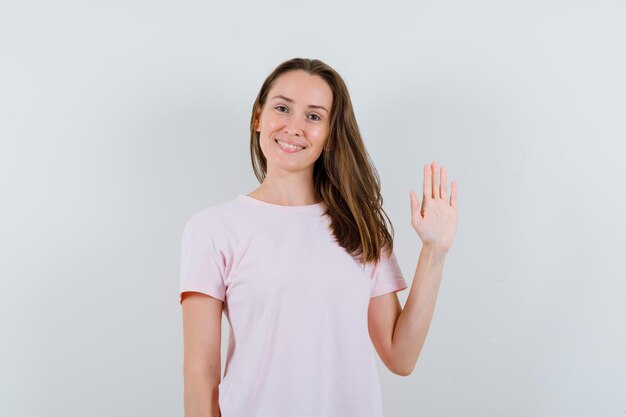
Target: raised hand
{"type": "Point", "coordinates": [436, 220]}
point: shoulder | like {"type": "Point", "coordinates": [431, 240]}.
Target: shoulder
{"type": "Point", "coordinates": [221, 217]}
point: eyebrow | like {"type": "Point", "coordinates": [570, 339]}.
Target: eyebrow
{"type": "Point", "coordinates": [287, 99]}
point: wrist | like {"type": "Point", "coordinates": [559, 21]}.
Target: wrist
{"type": "Point", "coordinates": [434, 250]}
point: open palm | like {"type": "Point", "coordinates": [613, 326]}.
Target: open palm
{"type": "Point", "coordinates": [436, 220]}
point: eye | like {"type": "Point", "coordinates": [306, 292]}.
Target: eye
{"type": "Point", "coordinates": [318, 117]}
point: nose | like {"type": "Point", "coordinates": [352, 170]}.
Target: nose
{"type": "Point", "coordinates": [293, 125]}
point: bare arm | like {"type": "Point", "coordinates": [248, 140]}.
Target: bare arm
{"type": "Point", "coordinates": [398, 334]}
{"type": "Point", "coordinates": [202, 328]}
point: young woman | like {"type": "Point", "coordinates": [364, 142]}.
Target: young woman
{"type": "Point", "coordinates": [303, 267]}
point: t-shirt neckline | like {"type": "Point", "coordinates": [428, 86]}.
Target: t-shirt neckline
{"type": "Point", "coordinates": [317, 207]}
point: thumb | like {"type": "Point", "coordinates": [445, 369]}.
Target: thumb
{"type": "Point", "coordinates": [415, 206]}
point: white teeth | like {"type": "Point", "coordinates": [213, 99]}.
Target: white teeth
{"type": "Point", "coordinates": [289, 146]}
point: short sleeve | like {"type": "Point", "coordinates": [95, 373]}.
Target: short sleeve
{"type": "Point", "coordinates": [387, 276]}
{"type": "Point", "coordinates": [201, 265]}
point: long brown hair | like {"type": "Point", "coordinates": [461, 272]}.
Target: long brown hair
{"type": "Point", "coordinates": [344, 176]}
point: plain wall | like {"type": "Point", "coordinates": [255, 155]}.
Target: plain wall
{"type": "Point", "coordinates": [118, 120]}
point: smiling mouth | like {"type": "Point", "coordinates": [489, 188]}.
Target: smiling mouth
{"type": "Point", "coordinates": [289, 148]}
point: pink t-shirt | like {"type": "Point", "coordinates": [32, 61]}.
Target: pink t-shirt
{"type": "Point", "coordinates": [297, 306]}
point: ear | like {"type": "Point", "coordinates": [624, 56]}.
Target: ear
{"type": "Point", "coordinates": [256, 124]}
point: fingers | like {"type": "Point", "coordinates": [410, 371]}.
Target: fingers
{"type": "Point", "coordinates": [455, 193]}
{"type": "Point", "coordinates": [436, 183]}
{"type": "Point", "coordinates": [435, 180]}
{"type": "Point", "coordinates": [428, 186]}
{"type": "Point", "coordinates": [444, 184]}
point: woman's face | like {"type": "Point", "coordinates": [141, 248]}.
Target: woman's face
{"type": "Point", "coordinates": [297, 111]}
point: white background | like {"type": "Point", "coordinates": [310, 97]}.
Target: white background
{"type": "Point", "coordinates": [118, 120]}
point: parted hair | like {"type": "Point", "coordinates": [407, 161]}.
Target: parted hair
{"type": "Point", "coordinates": [344, 175]}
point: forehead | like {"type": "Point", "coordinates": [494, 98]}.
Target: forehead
{"type": "Point", "coordinates": [303, 88]}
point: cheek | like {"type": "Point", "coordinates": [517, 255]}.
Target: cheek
{"type": "Point", "coordinates": [319, 136]}
{"type": "Point", "coordinates": [267, 121]}
{"type": "Point", "coordinates": [315, 131]}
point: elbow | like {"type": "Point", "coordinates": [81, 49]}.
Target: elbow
{"type": "Point", "coordinates": [403, 371]}
{"type": "Point", "coordinates": [400, 363]}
